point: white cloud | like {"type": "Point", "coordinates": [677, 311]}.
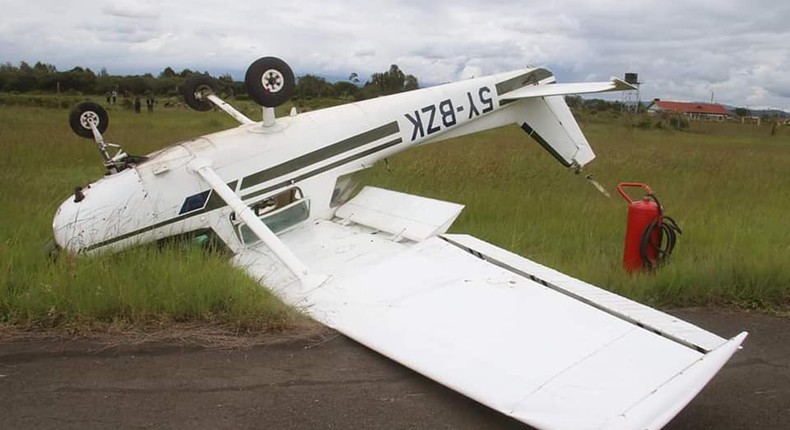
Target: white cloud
{"type": "Point", "coordinates": [682, 50]}
{"type": "Point", "coordinates": [133, 9]}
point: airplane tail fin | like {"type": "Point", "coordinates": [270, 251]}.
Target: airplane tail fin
{"type": "Point", "coordinates": [550, 122]}
{"type": "Point", "coordinates": [546, 117]}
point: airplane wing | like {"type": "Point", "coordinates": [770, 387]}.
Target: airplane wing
{"type": "Point", "coordinates": [555, 89]}
{"type": "Point", "coordinates": [547, 349]}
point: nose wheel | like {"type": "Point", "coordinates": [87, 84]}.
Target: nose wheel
{"type": "Point", "coordinates": [86, 114]}
{"type": "Point", "coordinates": [270, 81]}
{"type": "Point", "coordinates": [90, 120]}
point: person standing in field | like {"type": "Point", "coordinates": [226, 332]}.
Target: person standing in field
{"type": "Point", "coordinates": [149, 103]}
{"type": "Point", "coordinates": [137, 104]}
{"type": "Point", "coordinates": [114, 96]}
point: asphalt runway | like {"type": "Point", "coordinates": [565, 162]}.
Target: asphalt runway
{"type": "Point", "coordinates": [330, 382]}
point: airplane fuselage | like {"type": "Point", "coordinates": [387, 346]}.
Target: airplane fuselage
{"type": "Point", "coordinates": [310, 152]}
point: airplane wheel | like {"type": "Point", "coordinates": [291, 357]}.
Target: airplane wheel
{"type": "Point", "coordinates": [270, 81]}
{"type": "Point", "coordinates": [85, 113]}
{"type": "Point", "coordinates": [196, 88]}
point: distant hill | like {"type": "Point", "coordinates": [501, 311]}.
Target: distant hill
{"type": "Point", "coordinates": [761, 112]}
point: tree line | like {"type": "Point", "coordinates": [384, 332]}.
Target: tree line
{"type": "Point", "coordinates": [45, 78]}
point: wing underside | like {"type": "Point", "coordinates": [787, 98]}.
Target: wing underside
{"type": "Point", "coordinates": [532, 343]}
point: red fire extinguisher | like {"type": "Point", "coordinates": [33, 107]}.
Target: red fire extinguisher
{"type": "Point", "coordinates": [650, 236]}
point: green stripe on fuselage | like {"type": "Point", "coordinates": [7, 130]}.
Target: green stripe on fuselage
{"type": "Point", "coordinates": [320, 155]}
{"type": "Point", "coordinates": [215, 202]}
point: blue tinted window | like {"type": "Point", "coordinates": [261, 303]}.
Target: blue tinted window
{"type": "Point", "coordinates": [194, 202]}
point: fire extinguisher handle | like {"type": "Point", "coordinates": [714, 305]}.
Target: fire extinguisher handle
{"type": "Point", "coordinates": [625, 195]}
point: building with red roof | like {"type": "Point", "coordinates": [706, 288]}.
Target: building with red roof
{"type": "Point", "coordinates": [694, 111]}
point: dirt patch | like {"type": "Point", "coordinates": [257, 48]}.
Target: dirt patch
{"type": "Point", "coordinates": [198, 335]}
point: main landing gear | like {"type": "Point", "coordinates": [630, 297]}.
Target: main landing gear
{"type": "Point", "coordinates": [269, 82]}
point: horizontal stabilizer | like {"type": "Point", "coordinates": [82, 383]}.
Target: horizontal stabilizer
{"type": "Point", "coordinates": [555, 89]}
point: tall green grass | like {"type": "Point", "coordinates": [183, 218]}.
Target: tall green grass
{"type": "Point", "coordinates": [727, 185]}
{"type": "Point", "coordinates": [41, 162]}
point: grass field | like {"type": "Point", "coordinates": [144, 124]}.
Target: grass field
{"type": "Point", "coordinates": [727, 185]}
{"type": "Point", "coordinates": [41, 163]}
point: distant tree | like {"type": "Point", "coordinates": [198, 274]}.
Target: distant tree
{"type": "Point", "coordinates": [742, 112]}
{"type": "Point", "coordinates": [225, 83]}
{"type": "Point", "coordinates": [16, 79]}
{"type": "Point", "coordinates": [166, 86]}
{"type": "Point", "coordinates": [47, 76]}
{"type": "Point", "coordinates": [78, 79]}
{"type": "Point", "coordinates": [44, 69]}
{"type": "Point", "coordinates": [574, 102]}
{"type": "Point", "coordinates": [168, 73]}
{"type": "Point", "coordinates": [21, 82]}
{"type": "Point", "coordinates": [598, 105]}
{"type": "Point", "coordinates": [346, 89]}
{"type": "Point", "coordinates": [311, 86]}
{"type": "Point", "coordinates": [106, 82]}
{"type": "Point", "coordinates": [7, 72]}
{"type": "Point", "coordinates": [390, 82]}
{"type": "Point", "coordinates": [411, 83]}
{"type": "Point", "coordinates": [137, 85]}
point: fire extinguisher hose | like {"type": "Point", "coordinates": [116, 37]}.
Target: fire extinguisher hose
{"type": "Point", "coordinates": [667, 237]}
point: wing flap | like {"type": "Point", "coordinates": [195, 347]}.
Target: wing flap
{"type": "Point", "coordinates": [413, 217]}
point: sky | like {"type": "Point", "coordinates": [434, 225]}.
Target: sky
{"type": "Point", "coordinates": [731, 51]}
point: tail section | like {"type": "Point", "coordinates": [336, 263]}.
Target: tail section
{"type": "Point", "coordinates": [550, 122]}
{"type": "Point", "coordinates": [545, 116]}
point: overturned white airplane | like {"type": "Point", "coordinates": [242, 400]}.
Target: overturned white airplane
{"type": "Point", "coordinates": [535, 344]}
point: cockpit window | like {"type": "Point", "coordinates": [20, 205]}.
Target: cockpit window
{"type": "Point", "coordinates": [278, 212]}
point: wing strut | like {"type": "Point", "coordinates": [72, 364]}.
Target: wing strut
{"type": "Point", "coordinates": [202, 167]}
{"type": "Point", "coordinates": [230, 110]}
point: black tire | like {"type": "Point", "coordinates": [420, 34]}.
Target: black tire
{"type": "Point", "coordinates": [270, 81]}
{"type": "Point", "coordinates": [84, 113]}
{"type": "Point", "coordinates": [195, 87]}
